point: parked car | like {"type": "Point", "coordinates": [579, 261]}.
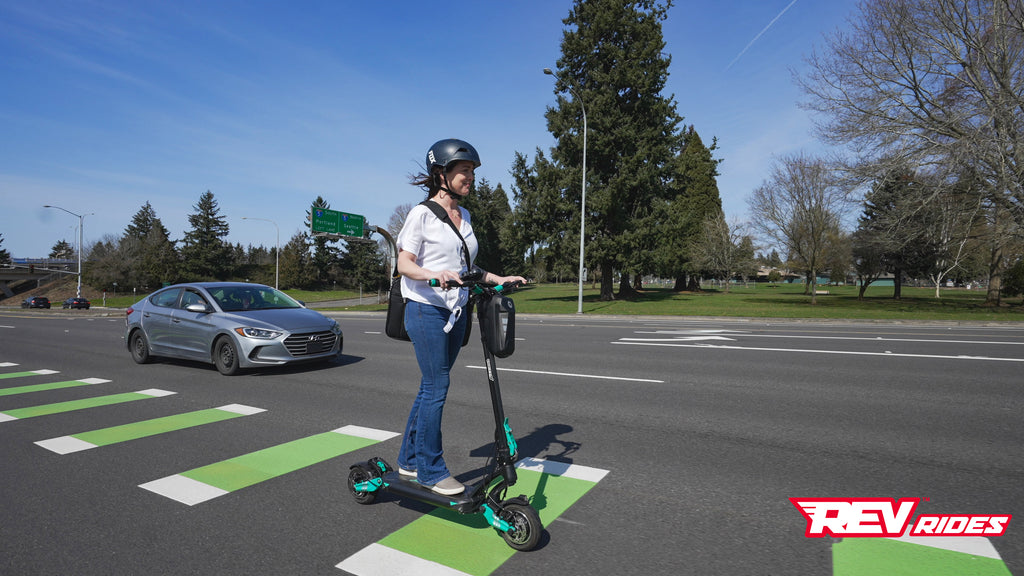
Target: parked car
{"type": "Point", "coordinates": [36, 302]}
{"type": "Point", "coordinates": [233, 325]}
{"type": "Point", "coordinates": [76, 303]}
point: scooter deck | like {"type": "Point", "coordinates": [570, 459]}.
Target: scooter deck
{"type": "Point", "coordinates": [464, 502]}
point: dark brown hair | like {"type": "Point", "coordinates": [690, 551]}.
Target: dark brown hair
{"type": "Point", "coordinates": [430, 183]}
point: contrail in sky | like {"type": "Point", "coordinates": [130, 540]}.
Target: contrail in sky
{"type": "Point", "coordinates": [759, 34]}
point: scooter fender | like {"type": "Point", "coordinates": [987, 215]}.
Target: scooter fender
{"type": "Point", "coordinates": [375, 468]}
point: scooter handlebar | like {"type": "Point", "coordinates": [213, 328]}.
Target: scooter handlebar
{"type": "Point", "coordinates": [467, 283]}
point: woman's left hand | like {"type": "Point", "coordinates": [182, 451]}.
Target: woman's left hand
{"type": "Point", "coordinates": [511, 279]}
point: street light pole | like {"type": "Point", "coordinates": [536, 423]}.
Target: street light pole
{"type": "Point", "coordinates": [583, 187]}
{"type": "Point", "coordinates": [277, 249]}
{"type": "Point", "coordinates": [81, 233]}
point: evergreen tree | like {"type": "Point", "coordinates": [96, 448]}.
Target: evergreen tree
{"type": "Point", "coordinates": [152, 257]}
{"type": "Point", "coordinates": [62, 250]}
{"type": "Point", "coordinates": [614, 61]}
{"type": "Point", "coordinates": [205, 255]}
{"type": "Point", "coordinates": [890, 228]}
{"type": "Point", "coordinates": [325, 251]}
{"type": "Point", "coordinates": [296, 269]}
{"type": "Point", "coordinates": [364, 266]}
{"type": "Point", "coordinates": [695, 199]}
{"type": "Point", "coordinates": [541, 219]}
{"type": "Point", "coordinates": [492, 217]}
{"type": "Point", "coordinates": [5, 256]}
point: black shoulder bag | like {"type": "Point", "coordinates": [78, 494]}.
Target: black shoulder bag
{"type": "Point", "coordinates": [395, 321]}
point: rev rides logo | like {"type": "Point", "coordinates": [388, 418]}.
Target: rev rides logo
{"type": "Point", "coordinates": [889, 518]}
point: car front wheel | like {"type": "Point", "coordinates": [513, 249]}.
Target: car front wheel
{"type": "Point", "coordinates": [225, 356]}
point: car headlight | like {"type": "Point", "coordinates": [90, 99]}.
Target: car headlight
{"type": "Point", "coordinates": [258, 333]}
{"type": "Point", "coordinates": [335, 327]}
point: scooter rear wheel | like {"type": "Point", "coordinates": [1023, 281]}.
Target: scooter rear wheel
{"type": "Point", "coordinates": [355, 476]}
{"type": "Point", "coordinates": [525, 526]}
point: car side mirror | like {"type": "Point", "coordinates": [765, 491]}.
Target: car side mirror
{"type": "Point", "coordinates": [198, 308]}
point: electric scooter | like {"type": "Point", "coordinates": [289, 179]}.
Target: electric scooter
{"type": "Point", "coordinates": [514, 518]}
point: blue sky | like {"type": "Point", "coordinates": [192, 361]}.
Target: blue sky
{"type": "Point", "coordinates": [268, 104]}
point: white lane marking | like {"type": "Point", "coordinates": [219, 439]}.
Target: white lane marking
{"type": "Point", "coordinates": [815, 337]}
{"type": "Point", "coordinates": [576, 471]}
{"type": "Point", "coordinates": [44, 372]}
{"type": "Point", "coordinates": [93, 380]}
{"type": "Point", "coordinates": [155, 392]}
{"type": "Point", "coordinates": [377, 559]}
{"type": "Point", "coordinates": [597, 376]}
{"type": "Point", "coordinates": [847, 352]}
{"type": "Point", "coordinates": [7, 364]}
{"type": "Point", "coordinates": [362, 432]}
{"type": "Point", "coordinates": [65, 445]}
{"type": "Point", "coordinates": [973, 545]}
{"type": "Point", "coordinates": [184, 490]}
{"type": "Point", "coordinates": [680, 339]}
{"type": "Point", "coordinates": [241, 409]}
{"type": "Point", "coordinates": [6, 418]}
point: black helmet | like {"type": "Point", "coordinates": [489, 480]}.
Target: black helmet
{"type": "Point", "coordinates": [444, 152]}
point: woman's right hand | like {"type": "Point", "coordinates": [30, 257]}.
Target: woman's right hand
{"type": "Point", "coordinates": [444, 276]}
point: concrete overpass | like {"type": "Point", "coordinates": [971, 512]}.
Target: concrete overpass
{"type": "Point", "coordinates": [30, 269]}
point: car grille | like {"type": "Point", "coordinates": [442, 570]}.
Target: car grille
{"type": "Point", "coordinates": [310, 343]}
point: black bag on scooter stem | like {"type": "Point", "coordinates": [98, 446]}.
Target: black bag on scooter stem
{"type": "Point", "coordinates": [498, 324]}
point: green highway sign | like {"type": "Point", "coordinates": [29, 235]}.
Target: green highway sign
{"type": "Point", "coordinates": [334, 222]}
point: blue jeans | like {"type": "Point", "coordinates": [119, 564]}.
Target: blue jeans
{"type": "Point", "coordinates": [436, 353]}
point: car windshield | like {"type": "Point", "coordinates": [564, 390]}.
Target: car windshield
{"type": "Point", "coordinates": [243, 298]}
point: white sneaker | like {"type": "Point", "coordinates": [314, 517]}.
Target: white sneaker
{"type": "Point", "coordinates": [448, 487]}
{"type": "Point", "coordinates": [404, 472]}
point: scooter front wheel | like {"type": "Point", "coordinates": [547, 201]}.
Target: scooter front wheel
{"type": "Point", "coordinates": [525, 526]}
{"type": "Point", "coordinates": [357, 475]}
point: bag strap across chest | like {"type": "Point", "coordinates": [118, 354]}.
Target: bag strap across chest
{"type": "Point", "coordinates": [443, 216]}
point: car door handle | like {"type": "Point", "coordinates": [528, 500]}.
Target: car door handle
{"type": "Point", "coordinates": [175, 320]}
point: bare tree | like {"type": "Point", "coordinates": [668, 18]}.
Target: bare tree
{"type": "Point", "coordinates": [934, 82]}
{"type": "Point", "coordinates": [722, 250]}
{"type": "Point", "coordinates": [397, 219]}
{"type": "Point", "coordinates": [951, 220]}
{"type": "Point", "coordinates": [799, 208]}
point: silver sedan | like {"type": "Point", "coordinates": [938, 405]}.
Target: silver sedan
{"type": "Point", "coordinates": [233, 325]}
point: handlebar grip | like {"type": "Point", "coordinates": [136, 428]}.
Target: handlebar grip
{"type": "Point", "coordinates": [434, 283]}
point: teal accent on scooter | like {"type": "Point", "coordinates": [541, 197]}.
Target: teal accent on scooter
{"type": "Point", "coordinates": [512, 448]}
{"type": "Point", "coordinates": [493, 520]}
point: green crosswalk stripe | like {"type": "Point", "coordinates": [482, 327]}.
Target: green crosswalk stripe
{"type": "Point", "coordinates": [59, 407]}
{"type": "Point", "coordinates": [201, 484]}
{"type": "Point", "coordinates": [275, 461]}
{"type": "Point", "coordinates": [50, 386]}
{"type": "Point", "coordinates": [136, 430]}
{"type": "Point", "coordinates": [870, 556]}
{"type": "Point", "coordinates": [28, 373]}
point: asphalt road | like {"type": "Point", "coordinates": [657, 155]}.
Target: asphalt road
{"type": "Point", "coordinates": [706, 428]}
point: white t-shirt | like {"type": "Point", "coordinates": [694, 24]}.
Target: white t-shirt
{"type": "Point", "coordinates": [436, 248]}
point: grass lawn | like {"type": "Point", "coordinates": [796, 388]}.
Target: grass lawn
{"type": "Point", "coordinates": [754, 301]}
{"type": "Point", "coordinates": [765, 301]}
